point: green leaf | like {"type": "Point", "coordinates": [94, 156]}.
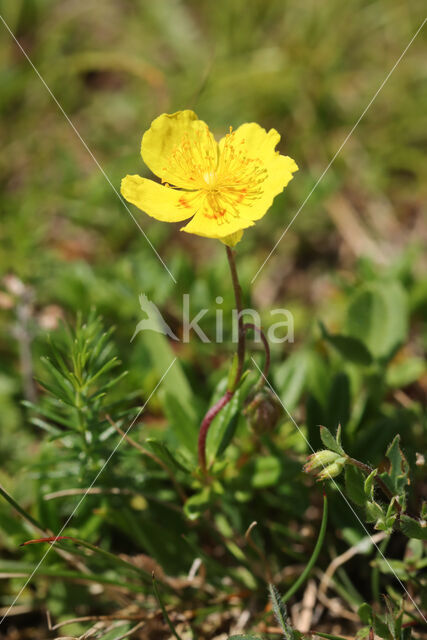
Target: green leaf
{"type": "Point", "coordinates": [365, 613]}
{"type": "Point", "coordinates": [369, 484]}
{"type": "Point", "coordinates": [218, 439]}
{"type": "Point", "coordinates": [348, 347]}
{"type": "Point", "coordinates": [179, 401]}
{"type": "Point", "coordinates": [338, 410]}
{"type": "Point", "coordinates": [397, 476]}
{"type": "Point", "coordinates": [280, 613]}
{"type": "Point", "coordinates": [404, 373]}
{"type": "Point", "coordinates": [197, 504]}
{"type": "Point", "coordinates": [229, 431]}
{"type": "Point", "coordinates": [355, 485]}
{"type": "Point", "coordinates": [330, 442]}
{"type": "Point", "coordinates": [378, 317]}
{"type": "Point", "coordinates": [290, 379]}
{"type": "Point", "coordinates": [413, 528]}
{"type": "Point", "coordinates": [182, 423]}
{"type": "Point", "coordinates": [163, 452]}
{"type": "Point", "coordinates": [391, 566]}
{"type": "Point", "coordinates": [374, 512]}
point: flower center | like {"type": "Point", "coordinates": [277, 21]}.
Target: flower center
{"type": "Point", "coordinates": [192, 162]}
{"type": "Point", "coordinates": [237, 182]}
{"type": "Point", "coordinates": [210, 178]}
{"type": "Point", "coordinates": [226, 184]}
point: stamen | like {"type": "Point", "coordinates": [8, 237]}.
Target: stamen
{"type": "Point", "coordinates": [226, 184]}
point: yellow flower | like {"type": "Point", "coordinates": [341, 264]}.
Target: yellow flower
{"type": "Point", "coordinates": [224, 187]}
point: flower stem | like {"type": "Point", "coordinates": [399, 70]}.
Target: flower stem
{"type": "Point", "coordinates": [241, 330]}
{"type": "Point", "coordinates": [314, 555]}
{"type": "Point", "coordinates": [206, 423]}
{"type": "Point", "coordinates": [256, 329]}
{"type": "Point", "coordinates": [225, 399]}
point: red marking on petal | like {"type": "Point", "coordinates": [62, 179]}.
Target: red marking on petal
{"type": "Point", "coordinates": [183, 202]}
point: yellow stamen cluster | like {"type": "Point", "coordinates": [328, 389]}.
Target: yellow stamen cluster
{"type": "Point", "coordinates": [190, 160]}
{"type": "Point", "coordinates": [235, 179]}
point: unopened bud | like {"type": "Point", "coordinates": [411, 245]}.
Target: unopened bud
{"type": "Point", "coordinates": [321, 458]}
{"type": "Point", "coordinates": [263, 411]}
{"type": "Point", "coordinates": [332, 470]}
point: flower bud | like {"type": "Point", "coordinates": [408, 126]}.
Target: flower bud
{"type": "Point", "coordinates": [262, 410]}
{"type": "Point", "coordinates": [332, 470]}
{"type": "Point", "coordinates": [321, 458]}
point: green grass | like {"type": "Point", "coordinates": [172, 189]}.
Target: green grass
{"type": "Point", "coordinates": [352, 260]}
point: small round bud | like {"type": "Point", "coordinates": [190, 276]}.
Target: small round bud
{"type": "Point", "coordinates": [263, 410]}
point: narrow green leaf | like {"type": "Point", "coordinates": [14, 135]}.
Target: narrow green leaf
{"type": "Point", "coordinates": [182, 422]}
{"type": "Point", "coordinates": [280, 612]}
{"type": "Point", "coordinates": [164, 453]}
{"type": "Point", "coordinates": [163, 608]}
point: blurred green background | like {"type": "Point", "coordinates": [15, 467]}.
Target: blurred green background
{"type": "Point", "coordinates": [308, 69]}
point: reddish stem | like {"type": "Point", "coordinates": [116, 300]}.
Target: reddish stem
{"type": "Point", "coordinates": [207, 421]}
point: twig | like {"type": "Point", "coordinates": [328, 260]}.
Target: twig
{"type": "Point", "coordinates": [305, 617]}
{"type": "Point", "coordinates": [128, 633]}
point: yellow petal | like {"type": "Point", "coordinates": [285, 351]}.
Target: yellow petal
{"type": "Point", "coordinates": [256, 140]}
{"type": "Point", "coordinates": [210, 224]}
{"type": "Point", "coordinates": [180, 149]}
{"type": "Point", "coordinates": [280, 170]}
{"type": "Point", "coordinates": [163, 203]}
{"type": "Point", "coordinates": [274, 171]}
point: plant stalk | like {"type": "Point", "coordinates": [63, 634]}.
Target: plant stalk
{"type": "Point", "coordinates": [225, 399]}
{"type": "Point", "coordinates": [310, 564]}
